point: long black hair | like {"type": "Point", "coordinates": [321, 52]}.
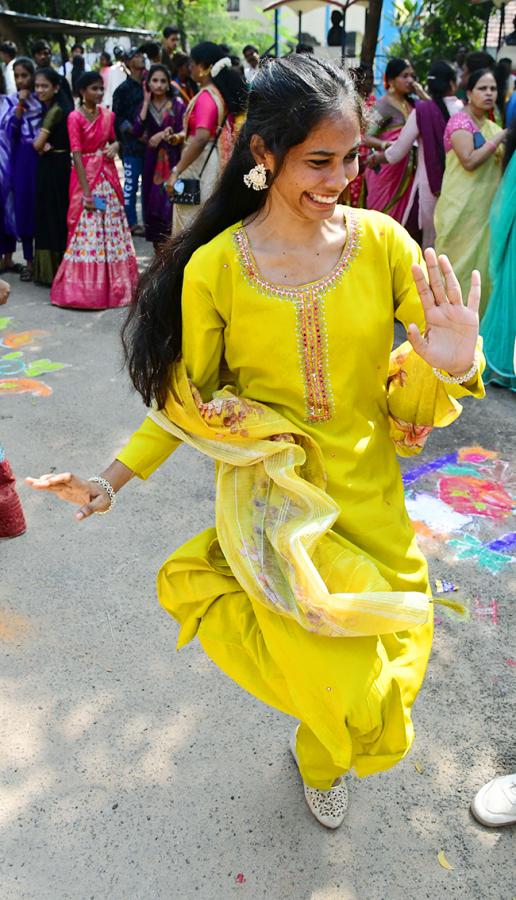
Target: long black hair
{"type": "Point", "coordinates": [289, 97]}
{"type": "Point", "coordinates": [440, 78]}
{"type": "Point", "coordinates": [502, 74]}
{"type": "Point", "coordinates": [228, 80]}
{"type": "Point", "coordinates": [61, 97]}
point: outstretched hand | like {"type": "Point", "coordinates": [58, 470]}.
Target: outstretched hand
{"type": "Point", "coordinates": [91, 497]}
{"type": "Point", "coordinates": [451, 329]}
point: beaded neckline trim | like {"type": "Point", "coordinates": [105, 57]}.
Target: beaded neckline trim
{"type": "Point", "coordinates": [308, 301]}
{"type": "Point", "coordinates": [294, 292]}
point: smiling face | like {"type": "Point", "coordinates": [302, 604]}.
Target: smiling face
{"type": "Point", "coordinates": [44, 89]}
{"type": "Point", "coordinates": [404, 82]}
{"type": "Point", "coordinates": [24, 79]}
{"type": "Point", "coordinates": [315, 173]}
{"type": "Point", "coordinates": [483, 95]}
{"type": "Point", "coordinates": [158, 84]}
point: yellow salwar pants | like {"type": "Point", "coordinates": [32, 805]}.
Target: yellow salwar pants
{"type": "Point", "coordinates": [353, 696]}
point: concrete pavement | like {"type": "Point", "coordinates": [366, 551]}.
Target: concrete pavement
{"type": "Point", "coordinates": [132, 772]}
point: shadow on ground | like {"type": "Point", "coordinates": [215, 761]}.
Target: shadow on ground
{"type": "Point", "coordinates": [132, 771]}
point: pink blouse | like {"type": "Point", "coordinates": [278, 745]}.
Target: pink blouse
{"type": "Point", "coordinates": [90, 137]}
{"type": "Point", "coordinates": [204, 115]}
{"type": "Point", "coordinates": [459, 122]}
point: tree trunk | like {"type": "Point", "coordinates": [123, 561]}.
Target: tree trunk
{"type": "Point", "coordinates": [180, 6]}
{"type": "Point", "coordinates": [372, 28]}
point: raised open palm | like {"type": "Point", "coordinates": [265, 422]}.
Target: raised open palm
{"type": "Point", "coordinates": [451, 330]}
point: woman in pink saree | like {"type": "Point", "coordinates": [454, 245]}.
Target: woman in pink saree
{"type": "Point", "coordinates": [99, 267]}
{"type": "Point", "coordinates": [389, 186]}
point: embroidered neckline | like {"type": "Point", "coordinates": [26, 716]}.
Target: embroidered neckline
{"type": "Point", "coordinates": [308, 301]}
{"type": "Point", "coordinates": [293, 292]}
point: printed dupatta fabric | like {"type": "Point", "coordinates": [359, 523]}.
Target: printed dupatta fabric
{"type": "Point", "coordinates": [273, 516]}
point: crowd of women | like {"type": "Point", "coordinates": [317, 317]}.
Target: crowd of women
{"type": "Point", "coordinates": [442, 165]}
{"type": "Point", "coordinates": [432, 158]}
{"type": "Point", "coordinates": [70, 219]}
{"type": "Point", "coordinates": [311, 592]}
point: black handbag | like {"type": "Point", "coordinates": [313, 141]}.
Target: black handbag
{"type": "Point", "coordinates": [189, 193]}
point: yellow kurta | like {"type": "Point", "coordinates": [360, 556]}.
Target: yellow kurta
{"type": "Point", "coordinates": [319, 355]}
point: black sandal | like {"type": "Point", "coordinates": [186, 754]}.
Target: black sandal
{"type": "Point", "coordinates": [26, 274]}
{"type": "Point", "coordinates": [17, 268]}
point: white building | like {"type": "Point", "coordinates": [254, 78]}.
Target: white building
{"type": "Point", "coordinates": [315, 26]}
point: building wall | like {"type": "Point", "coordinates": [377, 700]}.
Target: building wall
{"type": "Point", "coordinates": [315, 23]}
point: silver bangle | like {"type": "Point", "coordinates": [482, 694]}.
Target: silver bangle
{"type": "Point", "coordinates": [109, 491]}
{"type": "Point", "coordinates": [457, 379]}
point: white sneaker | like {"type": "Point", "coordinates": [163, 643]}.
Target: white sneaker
{"type": "Point", "coordinates": [495, 803]}
{"type": "Point", "coordinates": [328, 807]}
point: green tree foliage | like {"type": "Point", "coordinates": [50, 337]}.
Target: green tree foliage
{"type": "Point", "coordinates": [81, 10]}
{"type": "Point", "coordinates": [199, 19]}
{"type": "Point", "coordinates": [204, 20]}
{"type": "Point", "coordinates": [436, 29]}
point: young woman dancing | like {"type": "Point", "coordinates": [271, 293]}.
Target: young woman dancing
{"type": "Point", "coordinates": [262, 336]}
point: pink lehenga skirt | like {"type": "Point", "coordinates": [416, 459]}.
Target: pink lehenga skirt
{"type": "Point", "coordinates": [99, 268]}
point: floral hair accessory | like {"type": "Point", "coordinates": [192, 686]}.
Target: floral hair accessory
{"type": "Point", "coordinates": [224, 63]}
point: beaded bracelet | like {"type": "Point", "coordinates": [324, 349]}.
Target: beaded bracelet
{"type": "Point", "coordinates": [457, 379]}
{"type": "Point", "coordinates": [109, 490]}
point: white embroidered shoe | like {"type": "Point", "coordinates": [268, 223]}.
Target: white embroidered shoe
{"type": "Point", "coordinates": [495, 803]}
{"type": "Point", "coordinates": [328, 807]}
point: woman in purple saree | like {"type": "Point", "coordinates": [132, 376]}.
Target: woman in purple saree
{"type": "Point", "coordinates": [160, 121]}
{"type": "Point", "coordinates": [20, 119]}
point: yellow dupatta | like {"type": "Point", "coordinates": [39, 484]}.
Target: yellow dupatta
{"type": "Point", "coordinates": [273, 516]}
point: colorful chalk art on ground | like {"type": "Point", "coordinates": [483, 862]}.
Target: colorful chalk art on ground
{"type": "Point", "coordinates": [18, 374]}
{"type": "Point", "coordinates": [462, 506]}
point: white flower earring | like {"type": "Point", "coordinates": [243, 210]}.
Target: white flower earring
{"type": "Point", "coordinates": [256, 178]}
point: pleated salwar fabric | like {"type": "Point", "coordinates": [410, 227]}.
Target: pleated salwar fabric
{"type": "Point", "coordinates": [319, 355]}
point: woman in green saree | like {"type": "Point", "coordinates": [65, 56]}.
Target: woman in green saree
{"type": "Point", "coordinates": [472, 174]}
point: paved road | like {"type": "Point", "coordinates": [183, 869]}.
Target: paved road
{"type": "Point", "coordinates": [132, 772]}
